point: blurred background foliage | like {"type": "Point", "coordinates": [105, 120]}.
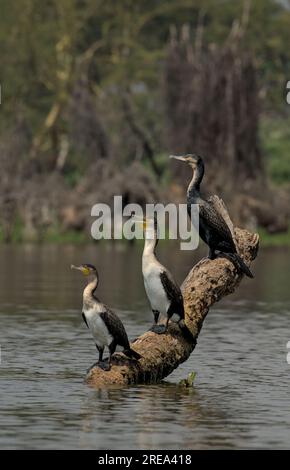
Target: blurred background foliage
{"type": "Point", "coordinates": [96, 94]}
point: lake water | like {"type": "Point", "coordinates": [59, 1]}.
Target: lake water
{"type": "Point", "coordinates": [241, 397]}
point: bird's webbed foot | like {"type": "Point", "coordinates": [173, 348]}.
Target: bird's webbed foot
{"type": "Point", "coordinates": [104, 365]}
{"type": "Point", "coordinates": [158, 329]}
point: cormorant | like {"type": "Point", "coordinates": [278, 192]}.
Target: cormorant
{"type": "Point", "coordinates": [213, 228]}
{"type": "Point", "coordinates": [106, 327]}
{"type": "Point", "coordinates": [164, 294]}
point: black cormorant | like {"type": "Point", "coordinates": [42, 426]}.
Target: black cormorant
{"type": "Point", "coordinates": [213, 229]}
{"type": "Point", "coordinates": [164, 294]}
{"type": "Point", "coordinates": [106, 327]}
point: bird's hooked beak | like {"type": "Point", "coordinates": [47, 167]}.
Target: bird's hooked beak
{"type": "Point", "coordinates": [83, 269]}
{"type": "Point", "coordinates": [178, 157]}
{"type": "Point", "coordinates": [148, 226]}
{"type": "Point", "coordinates": [140, 220]}
{"type": "Point", "coordinates": [191, 160]}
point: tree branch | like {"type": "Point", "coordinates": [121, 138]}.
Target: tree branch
{"type": "Point", "coordinates": [207, 283]}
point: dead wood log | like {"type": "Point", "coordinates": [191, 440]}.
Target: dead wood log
{"type": "Point", "coordinates": [207, 282]}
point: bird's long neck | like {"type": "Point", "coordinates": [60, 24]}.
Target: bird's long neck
{"type": "Point", "coordinates": [193, 189]}
{"type": "Point", "coordinates": [150, 245]}
{"type": "Point", "coordinates": [88, 295]}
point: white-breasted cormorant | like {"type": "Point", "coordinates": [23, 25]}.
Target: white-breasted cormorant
{"type": "Point", "coordinates": [105, 326]}
{"type": "Point", "coordinates": [213, 229]}
{"type": "Point", "coordinates": [163, 292]}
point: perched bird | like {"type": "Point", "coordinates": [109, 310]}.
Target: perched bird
{"type": "Point", "coordinates": [105, 326]}
{"type": "Point", "coordinates": [162, 291]}
{"type": "Point", "coordinates": [214, 230]}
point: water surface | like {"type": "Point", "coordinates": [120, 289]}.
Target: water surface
{"type": "Point", "coordinates": [241, 397]}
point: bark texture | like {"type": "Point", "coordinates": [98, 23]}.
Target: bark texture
{"type": "Point", "coordinates": [206, 283]}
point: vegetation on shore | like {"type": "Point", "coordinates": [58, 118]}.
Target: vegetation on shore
{"type": "Point", "coordinates": [56, 236]}
{"type": "Point", "coordinates": [275, 138]}
{"type": "Point", "coordinates": [96, 94]}
{"type": "Point", "coordinates": [269, 240]}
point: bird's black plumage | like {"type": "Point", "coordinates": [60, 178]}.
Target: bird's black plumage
{"type": "Point", "coordinates": [106, 327]}
{"type": "Point", "coordinates": [115, 328]}
{"type": "Point", "coordinates": [213, 228]}
{"type": "Point", "coordinates": [85, 320]}
{"type": "Point", "coordinates": [174, 295]}
{"type": "Point", "coordinates": [163, 292]}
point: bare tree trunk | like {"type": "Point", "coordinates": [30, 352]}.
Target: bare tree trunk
{"type": "Point", "coordinates": [212, 107]}
{"type": "Point", "coordinates": [206, 283]}
{"type": "Point", "coordinates": [140, 133]}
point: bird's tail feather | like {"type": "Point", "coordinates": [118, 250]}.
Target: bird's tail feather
{"type": "Point", "coordinates": [238, 262]}
{"type": "Point", "coordinates": [185, 330]}
{"type": "Point", "coordinates": [131, 353]}
{"type": "Point", "coordinates": [243, 267]}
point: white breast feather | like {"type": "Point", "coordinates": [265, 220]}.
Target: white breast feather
{"type": "Point", "coordinates": [154, 288]}
{"type": "Point", "coordinates": [97, 326]}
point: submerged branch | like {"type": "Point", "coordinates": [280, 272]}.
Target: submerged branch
{"type": "Point", "coordinates": [207, 282]}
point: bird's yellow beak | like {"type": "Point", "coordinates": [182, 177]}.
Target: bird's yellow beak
{"type": "Point", "coordinates": [83, 269]}
{"type": "Point", "coordinates": [140, 221]}
{"type": "Point", "coordinates": [143, 222]}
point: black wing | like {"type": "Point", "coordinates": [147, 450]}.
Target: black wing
{"type": "Point", "coordinates": [217, 226]}
{"type": "Point", "coordinates": [85, 320]}
{"type": "Point", "coordinates": [220, 207]}
{"type": "Point", "coordinates": [115, 328]}
{"type": "Point", "coordinates": [173, 293]}
{"type": "Point", "coordinates": [171, 288]}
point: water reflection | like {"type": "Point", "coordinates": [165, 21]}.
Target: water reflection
{"type": "Point", "coordinates": [145, 413]}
